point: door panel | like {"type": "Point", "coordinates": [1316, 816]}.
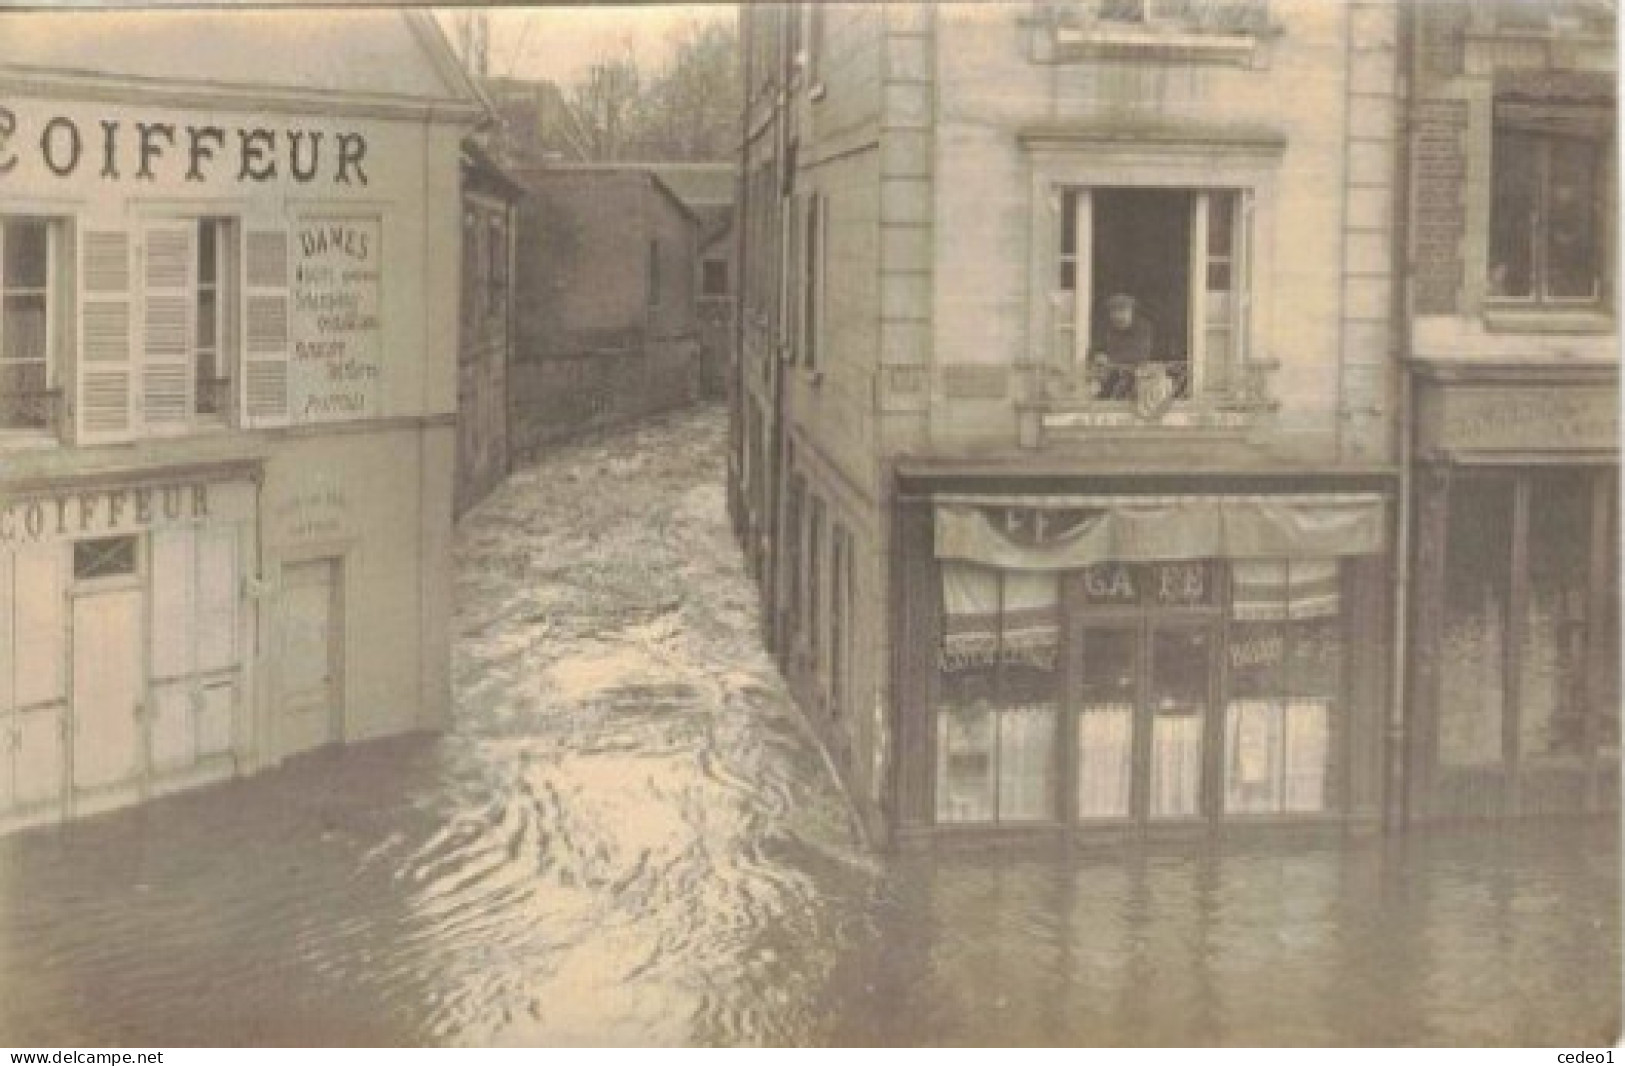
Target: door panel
{"type": "Point", "coordinates": [215, 715]}
{"type": "Point", "coordinates": [172, 744]}
{"type": "Point", "coordinates": [41, 763]}
{"type": "Point", "coordinates": [106, 687]}
{"type": "Point", "coordinates": [310, 656]}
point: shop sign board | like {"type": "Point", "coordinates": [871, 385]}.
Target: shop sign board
{"type": "Point", "coordinates": [336, 366]}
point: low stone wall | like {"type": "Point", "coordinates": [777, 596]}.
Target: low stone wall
{"type": "Point", "coordinates": [554, 398]}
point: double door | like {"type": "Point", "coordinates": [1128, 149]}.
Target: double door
{"type": "Point", "coordinates": [1142, 694]}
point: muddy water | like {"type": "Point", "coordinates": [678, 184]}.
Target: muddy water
{"type": "Point", "coordinates": [628, 837]}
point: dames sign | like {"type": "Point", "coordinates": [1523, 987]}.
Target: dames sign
{"type": "Point", "coordinates": [336, 364]}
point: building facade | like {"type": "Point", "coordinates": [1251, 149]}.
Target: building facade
{"type": "Point", "coordinates": [485, 326]}
{"type": "Point", "coordinates": [1514, 375]}
{"type": "Point", "coordinates": [605, 314]}
{"type": "Point", "coordinates": [1025, 576]}
{"type": "Point", "coordinates": [227, 393]}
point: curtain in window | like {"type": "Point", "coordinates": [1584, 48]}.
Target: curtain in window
{"type": "Point", "coordinates": [974, 605]}
{"type": "Point", "coordinates": [1176, 766]}
{"type": "Point", "coordinates": [1105, 756]}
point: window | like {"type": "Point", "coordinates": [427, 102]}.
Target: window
{"type": "Point", "coordinates": [1151, 289]}
{"type": "Point", "coordinates": [1191, 16]}
{"type": "Point", "coordinates": [1547, 213]}
{"type": "Point", "coordinates": [496, 290]}
{"type": "Point", "coordinates": [25, 324]}
{"type": "Point", "coordinates": [998, 693]}
{"type": "Point", "coordinates": [214, 266]}
{"type": "Point", "coordinates": [812, 279]}
{"type": "Point", "coordinates": [794, 508]}
{"type": "Point", "coordinates": [105, 557]}
{"type": "Point", "coordinates": [654, 274]}
{"type": "Point", "coordinates": [714, 278]}
{"type": "Point", "coordinates": [815, 577]}
{"type": "Point", "coordinates": [840, 614]}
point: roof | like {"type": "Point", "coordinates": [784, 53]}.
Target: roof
{"type": "Point", "coordinates": [540, 174]}
{"type": "Point", "coordinates": [389, 62]}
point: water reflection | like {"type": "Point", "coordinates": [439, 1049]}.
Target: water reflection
{"type": "Point", "coordinates": [629, 838]}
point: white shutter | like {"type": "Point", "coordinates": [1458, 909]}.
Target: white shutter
{"type": "Point", "coordinates": [168, 323]}
{"type": "Point", "coordinates": [265, 327]}
{"type": "Point", "coordinates": [103, 408]}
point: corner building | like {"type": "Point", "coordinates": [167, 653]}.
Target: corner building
{"type": "Point", "coordinates": [1019, 589]}
{"type": "Point", "coordinates": [227, 393]}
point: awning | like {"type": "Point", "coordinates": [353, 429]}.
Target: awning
{"type": "Point", "coordinates": [1068, 532]}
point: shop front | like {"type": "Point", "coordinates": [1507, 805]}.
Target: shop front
{"type": "Point", "coordinates": [124, 640]}
{"type": "Point", "coordinates": [1515, 676]}
{"type": "Point", "coordinates": [1139, 664]}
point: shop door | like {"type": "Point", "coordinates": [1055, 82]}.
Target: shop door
{"type": "Point", "coordinates": [107, 686]}
{"type": "Point", "coordinates": [312, 632]}
{"type": "Point", "coordinates": [1142, 716]}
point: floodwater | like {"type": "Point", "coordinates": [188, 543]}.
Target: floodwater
{"type": "Point", "coordinates": [629, 837]}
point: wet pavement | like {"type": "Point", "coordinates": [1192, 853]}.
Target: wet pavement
{"type": "Point", "coordinates": [628, 836]}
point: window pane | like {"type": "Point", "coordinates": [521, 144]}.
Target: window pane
{"type": "Point", "coordinates": [1571, 231]}
{"type": "Point", "coordinates": [23, 403]}
{"type": "Point", "coordinates": [1030, 695]}
{"type": "Point", "coordinates": [1512, 221]}
{"type": "Point", "coordinates": [206, 255]}
{"type": "Point", "coordinates": [1179, 695]}
{"type": "Point", "coordinates": [1552, 684]}
{"type": "Point", "coordinates": [1477, 558]}
{"type": "Point", "coordinates": [106, 557]}
{"type": "Point", "coordinates": [26, 246]}
{"type": "Point", "coordinates": [965, 766]}
{"type": "Point", "coordinates": [22, 333]}
{"type": "Point", "coordinates": [206, 318]}
{"type": "Point", "coordinates": [1106, 722]}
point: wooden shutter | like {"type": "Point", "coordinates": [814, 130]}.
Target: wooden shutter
{"type": "Point", "coordinates": [103, 392]}
{"type": "Point", "coordinates": [168, 323]}
{"type": "Point", "coordinates": [265, 327]}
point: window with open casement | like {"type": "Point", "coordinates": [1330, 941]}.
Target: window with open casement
{"type": "Point", "coordinates": [1177, 260]}
{"type": "Point", "coordinates": [27, 334]}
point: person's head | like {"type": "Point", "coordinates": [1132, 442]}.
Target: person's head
{"type": "Point", "coordinates": [1120, 309]}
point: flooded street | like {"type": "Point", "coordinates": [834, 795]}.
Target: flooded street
{"type": "Point", "coordinates": [628, 836]}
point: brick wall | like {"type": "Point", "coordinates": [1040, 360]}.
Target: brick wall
{"type": "Point", "coordinates": [1440, 175]}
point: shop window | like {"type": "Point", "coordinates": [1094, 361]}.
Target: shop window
{"type": "Point", "coordinates": [1552, 639]}
{"type": "Point", "coordinates": [1472, 655]}
{"type": "Point", "coordinates": [998, 695]}
{"type": "Point", "coordinates": [1284, 660]}
{"type": "Point", "coordinates": [104, 557]}
{"type": "Point", "coordinates": [1151, 290]}
{"type": "Point", "coordinates": [27, 397]}
{"type": "Point", "coordinates": [1548, 205]}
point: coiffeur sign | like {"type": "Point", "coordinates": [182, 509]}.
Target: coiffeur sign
{"type": "Point", "coordinates": [121, 509]}
{"type": "Point", "coordinates": [119, 149]}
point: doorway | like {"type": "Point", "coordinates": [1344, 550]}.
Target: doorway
{"type": "Point", "coordinates": [312, 705]}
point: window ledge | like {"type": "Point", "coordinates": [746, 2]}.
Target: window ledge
{"type": "Point", "coordinates": [27, 440]}
{"type": "Point", "coordinates": [1546, 320]}
{"type": "Point", "coordinates": [1153, 42]}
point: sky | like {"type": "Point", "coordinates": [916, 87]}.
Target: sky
{"type": "Point", "coordinates": [560, 42]}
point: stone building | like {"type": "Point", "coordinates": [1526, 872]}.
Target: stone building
{"type": "Point", "coordinates": [1513, 368]}
{"type": "Point", "coordinates": [605, 314]}
{"type": "Point", "coordinates": [228, 353]}
{"type": "Point", "coordinates": [1024, 576]}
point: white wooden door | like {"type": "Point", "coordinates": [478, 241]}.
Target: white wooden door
{"type": "Point", "coordinates": [107, 687]}
{"type": "Point", "coordinates": [312, 634]}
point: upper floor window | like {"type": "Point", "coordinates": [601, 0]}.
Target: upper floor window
{"type": "Point", "coordinates": [186, 339]}
{"type": "Point", "coordinates": [1151, 290]}
{"type": "Point", "coordinates": [1200, 16]}
{"type": "Point", "coordinates": [26, 370]}
{"type": "Point", "coordinates": [714, 278]}
{"type": "Point", "coordinates": [653, 280]}
{"type": "Point", "coordinates": [1547, 208]}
